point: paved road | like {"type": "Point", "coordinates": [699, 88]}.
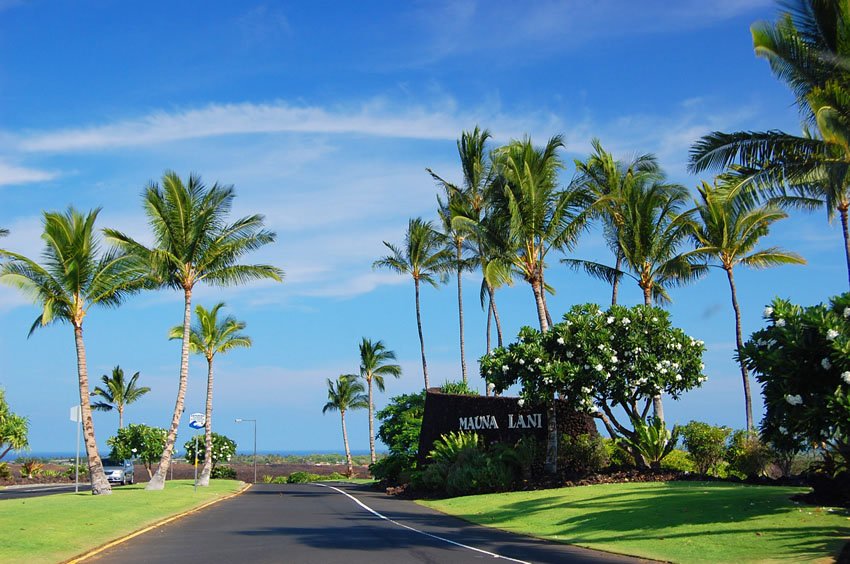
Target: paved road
{"type": "Point", "coordinates": [319, 524]}
{"type": "Point", "coordinates": [17, 492]}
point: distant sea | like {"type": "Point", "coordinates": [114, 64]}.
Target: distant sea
{"type": "Point", "coordinates": [70, 454]}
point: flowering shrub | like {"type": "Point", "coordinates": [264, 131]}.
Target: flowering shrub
{"type": "Point", "coordinates": [600, 361]}
{"type": "Point", "coordinates": [223, 449]}
{"type": "Point", "coordinates": [802, 361]}
{"type": "Point", "coordinates": [139, 442]}
{"type": "Point", "coordinates": [706, 444]}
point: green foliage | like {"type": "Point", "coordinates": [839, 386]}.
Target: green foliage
{"type": "Point", "coordinates": [401, 423]}
{"type": "Point", "coordinates": [584, 454]}
{"type": "Point", "coordinates": [706, 444]}
{"type": "Point", "coordinates": [678, 460]}
{"type": "Point", "coordinates": [82, 472]}
{"type": "Point", "coordinates": [449, 446]}
{"type": "Point", "coordinates": [652, 441]}
{"type": "Point", "coordinates": [459, 388]}
{"type": "Point", "coordinates": [307, 477]}
{"type": "Point", "coordinates": [393, 469]}
{"type": "Point", "coordinates": [617, 455]}
{"type": "Point", "coordinates": [223, 473]}
{"type": "Point", "coordinates": [747, 455]}
{"type": "Point", "coordinates": [802, 361]}
{"type": "Point", "coordinates": [31, 468]}
{"type": "Point", "coordinates": [5, 473]}
{"type": "Point", "coordinates": [139, 442]}
{"type": "Point", "coordinates": [474, 471]}
{"type": "Point", "coordinates": [223, 449]}
{"type": "Point", "coordinates": [117, 393]}
{"type": "Point", "coordinates": [13, 428]}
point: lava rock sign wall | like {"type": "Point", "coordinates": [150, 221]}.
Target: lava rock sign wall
{"type": "Point", "coordinates": [495, 419]}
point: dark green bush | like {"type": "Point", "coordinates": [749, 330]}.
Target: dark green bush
{"type": "Point", "coordinates": [223, 473]}
{"type": "Point", "coordinates": [475, 471]}
{"type": "Point", "coordinates": [459, 388]}
{"type": "Point", "coordinates": [706, 444]}
{"type": "Point", "coordinates": [5, 473]}
{"type": "Point", "coordinates": [302, 478]}
{"type": "Point", "coordinates": [584, 454]}
{"type": "Point", "coordinates": [334, 476]}
{"type": "Point", "coordinates": [393, 469]}
{"type": "Point", "coordinates": [679, 460]}
{"type": "Point", "coordinates": [617, 455]}
{"type": "Point", "coordinates": [747, 455]}
{"type": "Point", "coordinates": [401, 422]}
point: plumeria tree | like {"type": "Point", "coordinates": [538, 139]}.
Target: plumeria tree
{"type": "Point", "coordinates": [802, 361]}
{"type": "Point", "coordinates": [223, 449]}
{"type": "Point", "coordinates": [139, 442]}
{"type": "Point", "coordinates": [609, 364]}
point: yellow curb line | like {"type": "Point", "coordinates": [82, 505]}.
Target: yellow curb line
{"type": "Point", "coordinates": [165, 521]}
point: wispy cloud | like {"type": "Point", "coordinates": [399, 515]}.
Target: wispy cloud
{"type": "Point", "coordinates": [11, 175]}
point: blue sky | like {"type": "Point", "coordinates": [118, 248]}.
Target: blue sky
{"type": "Point", "coordinates": [324, 116]}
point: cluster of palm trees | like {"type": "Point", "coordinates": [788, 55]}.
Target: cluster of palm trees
{"type": "Point", "coordinates": [348, 392]}
{"type": "Point", "coordinates": [193, 242]}
{"type": "Point", "coordinates": [511, 215]}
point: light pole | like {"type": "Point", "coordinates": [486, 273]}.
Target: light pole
{"type": "Point", "coordinates": [254, 421]}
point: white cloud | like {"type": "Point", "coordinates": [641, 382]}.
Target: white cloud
{"type": "Point", "coordinates": [12, 174]}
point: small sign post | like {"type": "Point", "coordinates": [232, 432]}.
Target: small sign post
{"type": "Point", "coordinates": [77, 417]}
{"type": "Point", "coordinates": [197, 421]}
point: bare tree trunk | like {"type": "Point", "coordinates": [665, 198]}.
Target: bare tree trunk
{"type": "Point", "coordinates": [158, 480]}
{"type": "Point", "coordinates": [739, 341]}
{"type": "Point", "coordinates": [657, 405]}
{"type": "Point", "coordinates": [204, 479]}
{"type": "Point", "coordinates": [460, 312]}
{"type": "Point", "coordinates": [542, 318]}
{"type": "Point", "coordinates": [489, 323]}
{"type": "Point", "coordinates": [120, 416]}
{"type": "Point", "coordinates": [371, 423]}
{"type": "Point", "coordinates": [499, 340]}
{"type": "Point", "coordinates": [99, 483]}
{"type": "Point", "coordinates": [616, 285]}
{"type": "Point", "coordinates": [348, 461]}
{"type": "Point", "coordinates": [421, 338]}
{"type": "Point", "coordinates": [842, 210]}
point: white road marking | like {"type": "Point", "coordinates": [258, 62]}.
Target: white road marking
{"type": "Point", "coordinates": [409, 528]}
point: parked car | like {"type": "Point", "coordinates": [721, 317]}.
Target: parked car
{"type": "Point", "coordinates": [118, 471]}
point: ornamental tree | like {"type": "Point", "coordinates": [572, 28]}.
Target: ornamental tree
{"type": "Point", "coordinates": [606, 363]}
{"type": "Point", "coordinates": [802, 361]}
{"type": "Point", "coordinates": [223, 449]}
{"type": "Point", "coordinates": [140, 442]}
{"type": "Point", "coordinates": [13, 428]}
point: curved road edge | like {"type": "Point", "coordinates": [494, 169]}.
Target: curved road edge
{"type": "Point", "coordinates": [134, 534]}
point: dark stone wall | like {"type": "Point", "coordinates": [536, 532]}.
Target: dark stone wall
{"type": "Point", "coordinates": [448, 412]}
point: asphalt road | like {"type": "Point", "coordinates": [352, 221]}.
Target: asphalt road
{"type": "Point", "coordinates": [319, 524]}
{"type": "Point", "coordinates": [17, 492]}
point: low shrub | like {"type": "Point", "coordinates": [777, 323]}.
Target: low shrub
{"type": "Point", "coordinates": [449, 446]}
{"type": "Point", "coordinates": [393, 469]}
{"type": "Point", "coordinates": [476, 472]}
{"type": "Point", "coordinates": [459, 388]}
{"type": "Point", "coordinates": [652, 441]}
{"type": "Point", "coordinates": [82, 472]}
{"type": "Point", "coordinates": [584, 454]}
{"type": "Point", "coordinates": [333, 476]}
{"type": "Point", "coordinates": [223, 473]}
{"type": "Point", "coordinates": [266, 479]}
{"type": "Point", "coordinates": [31, 469]}
{"type": "Point", "coordinates": [747, 455]}
{"type": "Point", "coordinates": [679, 460]}
{"type": "Point", "coordinates": [706, 444]}
{"type": "Point", "coordinates": [302, 478]}
{"type": "Point", "coordinates": [5, 473]}
{"type": "Point", "coordinates": [617, 455]}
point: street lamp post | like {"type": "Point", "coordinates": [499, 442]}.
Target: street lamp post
{"type": "Point", "coordinates": [254, 421]}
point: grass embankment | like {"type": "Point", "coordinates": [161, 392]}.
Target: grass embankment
{"type": "Point", "coordinates": [57, 527]}
{"type": "Point", "coordinates": [674, 521]}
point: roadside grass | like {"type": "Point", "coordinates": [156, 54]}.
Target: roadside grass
{"type": "Point", "coordinates": [54, 528]}
{"type": "Point", "coordinates": [673, 521]}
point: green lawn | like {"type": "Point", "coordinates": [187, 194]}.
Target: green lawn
{"type": "Point", "coordinates": [57, 527]}
{"type": "Point", "coordinates": [675, 521]}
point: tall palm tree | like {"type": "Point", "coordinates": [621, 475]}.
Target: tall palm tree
{"type": "Point", "coordinates": [374, 358]}
{"type": "Point", "coordinates": [194, 243]}
{"type": "Point", "coordinates": [74, 277]}
{"type": "Point", "coordinates": [808, 49]}
{"type": "Point", "coordinates": [118, 393]}
{"type": "Point", "coordinates": [344, 395]}
{"type": "Point", "coordinates": [209, 337]}
{"type": "Point", "coordinates": [467, 202]}
{"type": "Point", "coordinates": [424, 258]}
{"type": "Point", "coordinates": [607, 179]}
{"type": "Point", "coordinates": [540, 217]}
{"type": "Point", "coordinates": [727, 230]}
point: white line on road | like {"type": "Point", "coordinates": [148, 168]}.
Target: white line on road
{"type": "Point", "coordinates": [409, 528]}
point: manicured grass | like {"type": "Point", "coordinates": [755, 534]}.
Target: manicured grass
{"type": "Point", "coordinates": [57, 527]}
{"type": "Point", "coordinates": [674, 521]}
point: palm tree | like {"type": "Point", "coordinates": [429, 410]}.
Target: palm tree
{"type": "Point", "coordinates": [728, 230]}
{"type": "Point", "coordinates": [373, 367]}
{"type": "Point", "coordinates": [209, 337]}
{"type": "Point", "coordinates": [607, 179]}
{"type": "Point", "coordinates": [425, 259]}
{"type": "Point", "coordinates": [118, 393]}
{"type": "Point", "coordinates": [539, 216]}
{"type": "Point", "coordinates": [74, 277]}
{"type": "Point", "coordinates": [466, 202]}
{"type": "Point", "coordinates": [344, 395]}
{"type": "Point", "coordinates": [193, 243]}
{"type": "Point", "coordinates": [807, 49]}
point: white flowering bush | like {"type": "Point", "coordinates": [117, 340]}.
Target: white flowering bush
{"type": "Point", "coordinates": [138, 442]}
{"type": "Point", "coordinates": [802, 361]}
{"type": "Point", "coordinates": [223, 449]}
{"type": "Point", "coordinates": [601, 361]}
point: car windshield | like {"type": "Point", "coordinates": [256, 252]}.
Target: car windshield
{"type": "Point", "coordinates": [112, 462]}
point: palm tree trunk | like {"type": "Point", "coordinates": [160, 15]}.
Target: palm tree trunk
{"type": "Point", "coordinates": [489, 324]}
{"type": "Point", "coordinates": [421, 338]}
{"type": "Point", "coordinates": [551, 463]}
{"type": "Point", "coordinates": [204, 479]}
{"type": "Point", "coordinates": [120, 416]}
{"type": "Point", "coordinates": [739, 341]}
{"type": "Point", "coordinates": [498, 321]}
{"type": "Point", "coordinates": [99, 483]}
{"type": "Point", "coordinates": [616, 284]}
{"type": "Point", "coordinates": [158, 480]}
{"type": "Point", "coordinates": [460, 312]}
{"type": "Point", "coordinates": [348, 461]}
{"type": "Point", "coordinates": [657, 406]}
{"type": "Point", "coordinates": [371, 423]}
{"type": "Point", "coordinates": [542, 317]}
{"type": "Point", "coordinates": [842, 210]}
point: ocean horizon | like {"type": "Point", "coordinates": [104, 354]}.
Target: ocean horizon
{"type": "Point", "coordinates": [51, 455]}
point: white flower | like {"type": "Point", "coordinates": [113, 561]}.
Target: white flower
{"type": "Point", "coordinates": [702, 379]}
{"type": "Point", "coordinates": [783, 430]}
{"type": "Point", "coordinates": [654, 319]}
{"type": "Point", "coordinates": [678, 377]}
{"type": "Point", "coordinates": [780, 322]}
{"type": "Point", "coordinates": [491, 387]}
{"type": "Point", "coordinates": [847, 312]}
{"type": "Point", "coordinates": [569, 323]}
{"type": "Point", "coordinates": [133, 450]}
{"type": "Point", "coordinates": [794, 400]}
{"type": "Point", "coordinates": [626, 321]}
{"type": "Point", "coordinates": [598, 367]}
{"type": "Point", "coordinates": [831, 334]}
{"type": "Point", "coordinates": [678, 346]}
{"type": "Point", "coordinates": [568, 354]}
{"type": "Point", "coordinates": [663, 371]}
{"type": "Point", "coordinates": [505, 368]}
{"type": "Point", "coordinates": [826, 364]}
{"type": "Point", "coordinates": [768, 311]}
{"type": "Point", "coordinates": [701, 366]}
{"type": "Point", "coordinates": [520, 402]}
{"type": "Point", "coordinates": [846, 377]}
{"type": "Point", "coordinates": [585, 390]}
{"type": "Point", "coordinates": [538, 360]}
{"type": "Point", "coordinates": [586, 367]}
{"type": "Point", "coordinates": [610, 320]}
{"type": "Point", "coordinates": [601, 347]}
{"type": "Point", "coordinates": [547, 381]}
{"type": "Point", "coordinates": [560, 340]}
{"type": "Point", "coordinates": [614, 359]}
{"type": "Point", "coordinates": [522, 361]}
